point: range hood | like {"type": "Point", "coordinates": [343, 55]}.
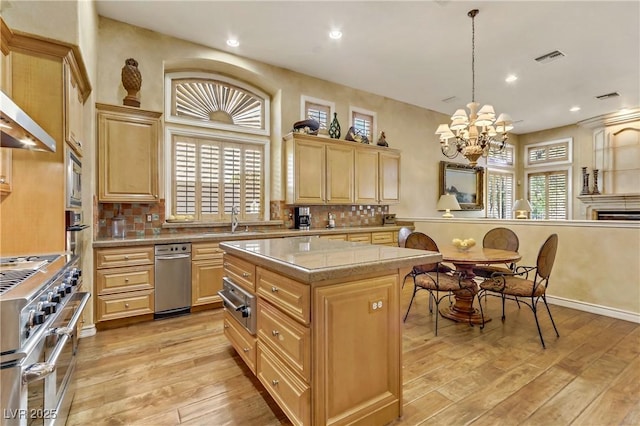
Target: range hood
{"type": "Point", "coordinates": [19, 130]}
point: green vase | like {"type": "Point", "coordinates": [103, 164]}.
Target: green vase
{"type": "Point", "coordinates": [334, 127]}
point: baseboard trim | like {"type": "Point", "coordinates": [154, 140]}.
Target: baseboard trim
{"type": "Point", "coordinates": [87, 331]}
{"type": "Point", "coordinates": [595, 309]}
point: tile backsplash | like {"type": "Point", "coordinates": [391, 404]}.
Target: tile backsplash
{"type": "Point", "coordinates": [135, 215]}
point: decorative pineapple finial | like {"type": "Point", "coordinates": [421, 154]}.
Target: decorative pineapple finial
{"type": "Point", "coordinates": [132, 81]}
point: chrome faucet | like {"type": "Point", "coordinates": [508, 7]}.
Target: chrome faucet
{"type": "Point", "coordinates": [234, 218]}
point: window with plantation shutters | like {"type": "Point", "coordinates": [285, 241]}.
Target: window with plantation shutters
{"type": "Point", "coordinates": [553, 152]}
{"type": "Point", "coordinates": [218, 133]}
{"type": "Point", "coordinates": [320, 113]}
{"type": "Point", "coordinates": [549, 186]}
{"type": "Point", "coordinates": [211, 177]}
{"type": "Point", "coordinates": [500, 194]}
{"type": "Point", "coordinates": [500, 183]}
{"type": "Point", "coordinates": [363, 121]}
{"type": "Point", "coordinates": [548, 195]}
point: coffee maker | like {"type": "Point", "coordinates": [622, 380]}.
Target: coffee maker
{"type": "Point", "coordinates": [302, 218]}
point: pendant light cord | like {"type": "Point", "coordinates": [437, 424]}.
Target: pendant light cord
{"type": "Point", "coordinates": [473, 14]}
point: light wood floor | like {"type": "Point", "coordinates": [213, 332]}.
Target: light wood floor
{"type": "Point", "coordinates": [183, 371]}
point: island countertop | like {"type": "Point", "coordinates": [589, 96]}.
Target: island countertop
{"type": "Point", "coordinates": [312, 259]}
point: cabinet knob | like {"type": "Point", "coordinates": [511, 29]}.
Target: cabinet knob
{"type": "Point", "coordinates": [79, 144]}
{"type": "Point", "coordinates": [246, 349]}
{"type": "Point", "coordinates": [155, 195]}
{"type": "Point", "coordinates": [126, 280]}
{"type": "Point", "coordinates": [274, 289]}
{"type": "Point", "coordinates": [225, 264]}
{"type": "Point", "coordinates": [126, 305]}
{"type": "Point", "coordinates": [126, 258]}
{"type": "Point", "coordinates": [275, 332]}
{"type": "Point", "coordinates": [2, 180]}
{"type": "Point", "coordinates": [274, 382]}
{"type": "Point", "coordinates": [226, 326]}
{"type": "Point", "coordinates": [246, 275]}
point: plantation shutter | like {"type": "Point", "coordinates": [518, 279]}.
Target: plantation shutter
{"type": "Point", "coordinates": [363, 123]}
{"type": "Point", "coordinates": [227, 174]}
{"type": "Point", "coordinates": [548, 194]}
{"type": "Point", "coordinates": [320, 113]}
{"type": "Point", "coordinates": [500, 195]}
{"type": "Point", "coordinates": [184, 188]}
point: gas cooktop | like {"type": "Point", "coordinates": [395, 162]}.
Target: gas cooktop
{"type": "Point", "coordinates": [15, 270]}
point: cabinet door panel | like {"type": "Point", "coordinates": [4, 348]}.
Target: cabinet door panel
{"type": "Point", "coordinates": [366, 177]}
{"type": "Point", "coordinates": [340, 174]}
{"type": "Point", "coordinates": [128, 155]}
{"type": "Point", "coordinates": [310, 172]}
{"type": "Point", "coordinates": [344, 317]}
{"type": "Point", "coordinates": [206, 281]}
{"type": "Point", "coordinates": [389, 178]}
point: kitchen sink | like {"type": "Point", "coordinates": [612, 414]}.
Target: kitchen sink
{"type": "Point", "coordinates": [232, 234]}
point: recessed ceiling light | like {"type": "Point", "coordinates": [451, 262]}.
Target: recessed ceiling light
{"type": "Point", "coordinates": [511, 78]}
{"type": "Point", "coordinates": [574, 108]}
{"type": "Point", "coordinates": [335, 34]}
{"type": "Point", "coordinates": [233, 42]}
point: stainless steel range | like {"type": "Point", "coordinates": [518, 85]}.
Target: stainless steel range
{"type": "Point", "coordinates": [40, 308]}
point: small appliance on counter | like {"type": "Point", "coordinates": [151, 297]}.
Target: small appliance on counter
{"type": "Point", "coordinates": [302, 218]}
{"type": "Point", "coordinates": [389, 219]}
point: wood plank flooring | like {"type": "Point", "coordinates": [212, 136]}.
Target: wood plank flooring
{"type": "Point", "coordinates": [183, 371]}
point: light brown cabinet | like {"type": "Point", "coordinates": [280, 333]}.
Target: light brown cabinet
{"type": "Point", "coordinates": [377, 177]}
{"type": "Point", "coordinates": [6, 160]}
{"type": "Point", "coordinates": [325, 171]}
{"type": "Point", "coordinates": [302, 331]}
{"type": "Point", "coordinates": [206, 273]}
{"type": "Point", "coordinates": [73, 109]}
{"type": "Point", "coordinates": [128, 146]}
{"type": "Point", "coordinates": [124, 280]}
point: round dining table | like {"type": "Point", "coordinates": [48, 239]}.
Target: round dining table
{"type": "Point", "coordinates": [464, 261]}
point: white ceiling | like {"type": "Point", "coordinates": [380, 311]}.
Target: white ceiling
{"type": "Point", "coordinates": [419, 52]}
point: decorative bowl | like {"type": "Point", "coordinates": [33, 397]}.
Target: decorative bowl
{"type": "Point", "coordinates": [309, 126]}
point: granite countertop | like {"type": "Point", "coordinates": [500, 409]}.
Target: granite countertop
{"type": "Point", "coordinates": [312, 259]}
{"type": "Point", "coordinates": [185, 237]}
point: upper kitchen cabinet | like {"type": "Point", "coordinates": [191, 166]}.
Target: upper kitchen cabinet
{"type": "Point", "coordinates": [76, 91]}
{"type": "Point", "coordinates": [377, 176]}
{"type": "Point", "coordinates": [128, 144]}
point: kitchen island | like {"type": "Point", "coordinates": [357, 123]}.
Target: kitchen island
{"type": "Point", "coordinates": [327, 345]}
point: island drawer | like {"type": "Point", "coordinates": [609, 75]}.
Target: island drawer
{"type": "Point", "coordinates": [118, 280]}
{"type": "Point", "coordinates": [113, 306]}
{"type": "Point", "coordinates": [292, 394]}
{"type": "Point", "coordinates": [290, 296]}
{"type": "Point", "coordinates": [287, 338]}
{"type": "Point", "coordinates": [335, 237]}
{"type": "Point", "coordinates": [243, 342]}
{"type": "Point", "coordinates": [124, 256]}
{"type": "Point", "coordinates": [240, 272]}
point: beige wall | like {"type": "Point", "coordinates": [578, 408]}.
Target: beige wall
{"type": "Point", "coordinates": [597, 264]}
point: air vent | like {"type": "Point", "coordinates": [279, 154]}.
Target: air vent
{"type": "Point", "coordinates": [549, 57]}
{"type": "Point", "coordinates": [608, 95]}
{"type": "Point", "coordinates": [449, 99]}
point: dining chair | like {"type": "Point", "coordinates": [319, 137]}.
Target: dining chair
{"type": "Point", "coordinates": [498, 238]}
{"type": "Point", "coordinates": [403, 233]}
{"type": "Point", "coordinates": [517, 285]}
{"type": "Point", "coordinates": [420, 244]}
{"type": "Point", "coordinates": [433, 277]}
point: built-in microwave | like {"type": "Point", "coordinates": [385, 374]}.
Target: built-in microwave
{"type": "Point", "coordinates": [73, 186]}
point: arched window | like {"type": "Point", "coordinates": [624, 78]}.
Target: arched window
{"type": "Point", "coordinates": [217, 132]}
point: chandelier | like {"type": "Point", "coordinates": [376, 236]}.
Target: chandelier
{"type": "Point", "coordinates": [476, 135]}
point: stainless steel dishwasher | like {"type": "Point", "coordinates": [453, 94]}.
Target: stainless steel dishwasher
{"type": "Point", "coordinates": [173, 280]}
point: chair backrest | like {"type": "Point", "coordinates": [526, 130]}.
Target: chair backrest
{"type": "Point", "coordinates": [420, 241]}
{"type": "Point", "coordinates": [546, 256]}
{"type": "Point", "coordinates": [403, 233]}
{"type": "Point", "coordinates": [501, 238]}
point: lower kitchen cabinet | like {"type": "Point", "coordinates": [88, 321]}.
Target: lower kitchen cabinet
{"type": "Point", "coordinates": [206, 273]}
{"type": "Point", "coordinates": [124, 280]}
{"type": "Point", "coordinates": [243, 342]}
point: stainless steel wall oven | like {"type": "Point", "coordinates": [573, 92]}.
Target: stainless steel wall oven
{"type": "Point", "coordinates": [73, 184]}
{"type": "Point", "coordinates": [240, 304]}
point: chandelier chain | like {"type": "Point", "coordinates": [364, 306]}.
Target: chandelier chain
{"type": "Point", "coordinates": [473, 57]}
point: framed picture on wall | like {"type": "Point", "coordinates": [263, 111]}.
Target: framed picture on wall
{"type": "Point", "coordinates": [465, 182]}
